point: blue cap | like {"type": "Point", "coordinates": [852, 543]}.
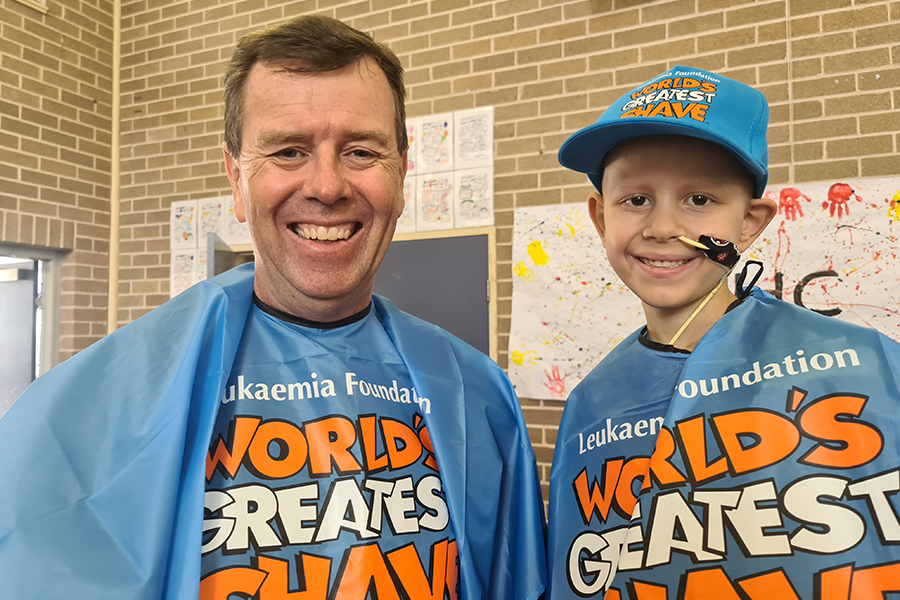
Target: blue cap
{"type": "Point", "coordinates": [681, 101]}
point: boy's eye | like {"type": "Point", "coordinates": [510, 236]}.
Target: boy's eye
{"type": "Point", "coordinates": [637, 201]}
{"type": "Point", "coordinates": [699, 200]}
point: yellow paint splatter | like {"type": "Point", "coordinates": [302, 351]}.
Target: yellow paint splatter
{"type": "Point", "coordinates": [537, 254]}
{"type": "Point", "coordinates": [524, 272]}
{"type": "Point", "coordinates": [894, 208]}
{"type": "Point", "coordinates": [520, 358]}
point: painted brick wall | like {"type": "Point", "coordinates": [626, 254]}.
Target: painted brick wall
{"type": "Point", "coordinates": [55, 82]}
{"type": "Point", "coordinates": [830, 68]}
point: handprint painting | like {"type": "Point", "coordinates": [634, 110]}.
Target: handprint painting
{"type": "Point", "coordinates": [833, 247]}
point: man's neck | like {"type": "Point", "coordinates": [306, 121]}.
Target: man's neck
{"type": "Point", "coordinates": [314, 310]}
{"type": "Point", "coordinates": [662, 325]}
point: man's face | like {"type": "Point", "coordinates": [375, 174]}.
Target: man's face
{"type": "Point", "coordinates": [656, 189]}
{"type": "Point", "coordinates": [319, 183]}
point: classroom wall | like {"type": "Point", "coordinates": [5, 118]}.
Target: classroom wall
{"type": "Point", "coordinates": [828, 67]}
{"type": "Point", "coordinates": [55, 96]}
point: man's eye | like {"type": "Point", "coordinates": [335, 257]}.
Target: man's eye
{"type": "Point", "coordinates": [361, 154]}
{"type": "Point", "coordinates": [699, 200]}
{"type": "Point", "coordinates": [288, 153]}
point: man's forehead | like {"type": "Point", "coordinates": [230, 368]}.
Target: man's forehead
{"type": "Point", "coordinates": [365, 68]}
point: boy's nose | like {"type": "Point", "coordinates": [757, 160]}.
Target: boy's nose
{"type": "Point", "coordinates": [324, 179]}
{"type": "Point", "coordinates": [662, 224]}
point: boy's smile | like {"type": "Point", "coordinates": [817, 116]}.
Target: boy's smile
{"type": "Point", "coordinates": [655, 189]}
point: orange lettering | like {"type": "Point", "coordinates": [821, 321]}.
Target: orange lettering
{"type": "Point", "coordinates": [698, 112]}
{"type": "Point", "coordinates": [664, 84]}
{"type": "Point", "coordinates": [594, 500]}
{"type": "Point", "coordinates": [425, 438]}
{"type": "Point", "coordinates": [330, 440]}
{"type": "Point", "coordinates": [648, 591]}
{"type": "Point", "coordinates": [242, 431]}
{"type": "Point", "coordinates": [453, 571]}
{"type": "Point", "coordinates": [774, 584]}
{"type": "Point", "coordinates": [374, 463]}
{"type": "Point", "coordinates": [290, 441]}
{"type": "Point", "coordinates": [833, 584]}
{"type": "Point", "coordinates": [635, 469]}
{"type": "Point", "coordinates": [313, 577]}
{"type": "Point", "coordinates": [689, 83]}
{"type": "Point", "coordinates": [708, 87]}
{"type": "Point", "coordinates": [400, 456]}
{"type": "Point", "coordinates": [682, 110]}
{"type": "Point", "coordinates": [692, 441]}
{"type": "Point", "coordinates": [775, 436]}
{"type": "Point", "coordinates": [664, 109]}
{"type": "Point", "coordinates": [233, 580]}
{"type": "Point", "coordinates": [662, 470]}
{"type": "Point", "coordinates": [875, 582]}
{"type": "Point", "coordinates": [407, 565]}
{"type": "Point", "coordinates": [613, 594]}
{"type": "Point", "coordinates": [710, 584]}
{"type": "Point", "coordinates": [364, 569]}
{"type": "Point", "coordinates": [857, 442]}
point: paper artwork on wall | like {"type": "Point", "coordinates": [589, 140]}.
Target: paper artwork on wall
{"type": "Point", "coordinates": [412, 131]}
{"type": "Point", "coordinates": [569, 309]}
{"type": "Point", "coordinates": [474, 204]}
{"type": "Point", "coordinates": [833, 247]}
{"type": "Point", "coordinates": [474, 138]}
{"type": "Point", "coordinates": [182, 271]}
{"type": "Point", "coordinates": [232, 231]}
{"type": "Point", "coordinates": [434, 202]}
{"type": "Point", "coordinates": [183, 224]}
{"type": "Point", "coordinates": [407, 221]}
{"type": "Point", "coordinates": [434, 144]}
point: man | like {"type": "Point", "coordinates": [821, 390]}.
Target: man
{"type": "Point", "coordinates": [276, 431]}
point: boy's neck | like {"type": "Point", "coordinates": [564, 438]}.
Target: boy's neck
{"type": "Point", "coordinates": [663, 324]}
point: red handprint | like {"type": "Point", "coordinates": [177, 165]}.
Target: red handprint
{"type": "Point", "coordinates": [789, 202]}
{"type": "Point", "coordinates": [557, 385]}
{"type": "Point", "coordinates": [838, 196]}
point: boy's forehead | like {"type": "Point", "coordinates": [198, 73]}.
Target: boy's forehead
{"type": "Point", "coordinates": [642, 155]}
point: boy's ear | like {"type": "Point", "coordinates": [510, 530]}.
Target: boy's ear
{"type": "Point", "coordinates": [595, 209]}
{"type": "Point", "coordinates": [759, 213]}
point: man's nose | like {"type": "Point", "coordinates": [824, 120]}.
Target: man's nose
{"type": "Point", "coordinates": [324, 179]}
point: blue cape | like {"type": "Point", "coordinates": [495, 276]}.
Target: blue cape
{"type": "Point", "coordinates": [102, 460]}
{"type": "Point", "coordinates": [762, 465]}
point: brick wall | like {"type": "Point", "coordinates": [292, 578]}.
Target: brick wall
{"type": "Point", "coordinates": [830, 68]}
{"type": "Point", "coordinates": [55, 82]}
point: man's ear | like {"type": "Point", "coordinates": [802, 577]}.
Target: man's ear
{"type": "Point", "coordinates": [595, 208]}
{"type": "Point", "coordinates": [759, 214]}
{"type": "Point", "coordinates": [233, 170]}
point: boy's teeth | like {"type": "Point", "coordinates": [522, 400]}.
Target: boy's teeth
{"type": "Point", "coordinates": [664, 264]}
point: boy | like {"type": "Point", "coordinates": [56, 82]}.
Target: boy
{"type": "Point", "coordinates": [737, 446]}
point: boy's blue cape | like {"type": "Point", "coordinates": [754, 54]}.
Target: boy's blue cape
{"type": "Point", "coordinates": [102, 460]}
{"type": "Point", "coordinates": [775, 400]}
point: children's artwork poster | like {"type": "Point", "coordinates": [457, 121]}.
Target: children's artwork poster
{"type": "Point", "coordinates": [211, 212]}
{"type": "Point", "coordinates": [474, 138]}
{"type": "Point", "coordinates": [182, 271]}
{"type": "Point", "coordinates": [183, 222]}
{"type": "Point", "coordinates": [434, 202]}
{"type": "Point", "coordinates": [230, 230]}
{"type": "Point", "coordinates": [833, 247]}
{"type": "Point", "coordinates": [474, 205]}
{"type": "Point", "coordinates": [434, 144]}
{"type": "Point", "coordinates": [569, 308]}
{"type": "Point", "coordinates": [407, 221]}
{"type": "Point", "coordinates": [412, 131]}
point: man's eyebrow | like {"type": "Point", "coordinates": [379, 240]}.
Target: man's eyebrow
{"type": "Point", "coordinates": [362, 136]}
{"type": "Point", "coordinates": [280, 138]}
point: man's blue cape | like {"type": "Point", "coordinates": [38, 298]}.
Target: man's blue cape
{"type": "Point", "coordinates": [103, 460]}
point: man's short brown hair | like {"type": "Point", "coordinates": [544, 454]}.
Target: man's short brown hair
{"type": "Point", "coordinates": [321, 44]}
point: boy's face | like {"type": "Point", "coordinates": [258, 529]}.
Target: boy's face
{"type": "Point", "coordinates": [657, 188]}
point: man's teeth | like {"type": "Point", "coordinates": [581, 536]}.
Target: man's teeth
{"type": "Point", "coordinates": [321, 233]}
{"type": "Point", "coordinates": [664, 264]}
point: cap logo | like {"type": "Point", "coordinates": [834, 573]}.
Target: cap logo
{"type": "Point", "coordinates": [676, 97]}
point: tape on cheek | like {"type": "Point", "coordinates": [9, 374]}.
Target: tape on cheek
{"type": "Point", "coordinates": [721, 252]}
